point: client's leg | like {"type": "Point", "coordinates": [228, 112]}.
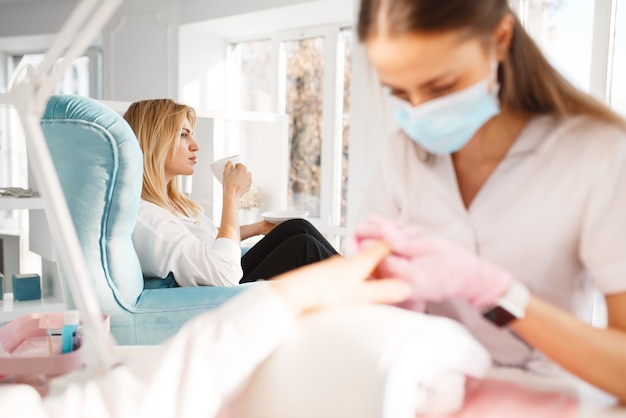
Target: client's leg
{"type": "Point", "coordinates": [294, 252]}
{"type": "Point", "coordinates": [277, 236]}
{"type": "Point", "coordinates": [302, 226]}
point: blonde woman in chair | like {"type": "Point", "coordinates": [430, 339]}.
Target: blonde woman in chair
{"type": "Point", "coordinates": [174, 237]}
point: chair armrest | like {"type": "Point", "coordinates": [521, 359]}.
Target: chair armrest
{"type": "Point", "coordinates": [366, 362]}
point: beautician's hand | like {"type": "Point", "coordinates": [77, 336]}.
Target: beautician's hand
{"type": "Point", "coordinates": [437, 269]}
{"type": "Point", "coordinates": [393, 231]}
{"type": "Point", "coordinates": [237, 179]}
{"type": "Point", "coordinates": [339, 281]}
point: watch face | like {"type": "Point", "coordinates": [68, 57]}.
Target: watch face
{"type": "Point", "coordinates": [499, 316]}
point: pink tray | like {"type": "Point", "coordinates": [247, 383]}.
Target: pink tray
{"type": "Point", "coordinates": [17, 331]}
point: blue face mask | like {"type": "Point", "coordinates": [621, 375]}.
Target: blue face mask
{"type": "Point", "coordinates": [445, 124]}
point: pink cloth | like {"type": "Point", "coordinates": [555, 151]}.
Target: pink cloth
{"type": "Point", "coordinates": [491, 398]}
{"type": "Point", "coordinates": [225, 412]}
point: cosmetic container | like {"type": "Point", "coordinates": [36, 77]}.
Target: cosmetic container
{"type": "Point", "coordinates": [69, 332]}
{"type": "Point", "coordinates": [27, 286]}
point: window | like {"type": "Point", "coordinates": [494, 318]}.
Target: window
{"type": "Point", "coordinates": [251, 88]}
{"type": "Point", "coordinates": [304, 87]}
{"type": "Point", "coordinates": [306, 75]}
{"type": "Point", "coordinates": [83, 78]}
{"type": "Point", "coordinates": [585, 40]}
{"type": "Point", "coordinates": [564, 30]}
{"type": "Point", "coordinates": [345, 49]}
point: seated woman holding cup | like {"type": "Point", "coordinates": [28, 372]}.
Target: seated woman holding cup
{"type": "Point", "coordinates": [173, 237]}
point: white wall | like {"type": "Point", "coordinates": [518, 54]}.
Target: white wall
{"type": "Point", "coordinates": [34, 17]}
{"type": "Point", "coordinates": [140, 42]}
{"type": "Point", "coordinates": [3, 74]}
{"type": "Point", "coordinates": [201, 69]}
{"type": "Point", "coordinates": [199, 10]}
{"type": "Point", "coordinates": [370, 125]}
{"type": "Point", "coordinates": [140, 46]}
{"type": "Point", "coordinates": [268, 22]}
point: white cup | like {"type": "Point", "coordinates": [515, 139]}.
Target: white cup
{"type": "Point", "coordinates": [217, 166]}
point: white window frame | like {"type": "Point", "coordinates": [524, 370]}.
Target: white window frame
{"type": "Point", "coordinates": [329, 221]}
{"type": "Point", "coordinates": [95, 68]}
{"type": "Point", "coordinates": [602, 43]}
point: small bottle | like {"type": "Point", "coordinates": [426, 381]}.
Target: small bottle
{"type": "Point", "coordinates": [77, 337]}
{"type": "Point", "coordinates": [68, 333]}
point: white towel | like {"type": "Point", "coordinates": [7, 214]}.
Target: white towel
{"type": "Point", "coordinates": [365, 362]}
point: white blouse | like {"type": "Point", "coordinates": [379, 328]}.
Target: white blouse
{"type": "Point", "coordinates": [553, 213]}
{"type": "Point", "coordinates": [186, 247]}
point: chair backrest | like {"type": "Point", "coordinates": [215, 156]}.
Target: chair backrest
{"type": "Point", "coordinates": [100, 167]}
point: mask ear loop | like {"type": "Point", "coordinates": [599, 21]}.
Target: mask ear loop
{"type": "Point", "coordinates": [493, 84]}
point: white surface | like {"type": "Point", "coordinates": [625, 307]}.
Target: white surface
{"type": "Point", "coordinates": [278, 216]}
{"type": "Point", "coordinates": [140, 51]}
{"type": "Point", "coordinates": [236, 18]}
{"type": "Point", "coordinates": [11, 203]}
{"type": "Point", "coordinates": [217, 166]}
{"type": "Point", "coordinates": [513, 375]}
{"type": "Point", "coordinates": [11, 309]}
{"type": "Point", "coordinates": [365, 362]}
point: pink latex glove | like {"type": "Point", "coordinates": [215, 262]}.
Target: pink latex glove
{"type": "Point", "coordinates": [393, 231]}
{"type": "Point", "coordinates": [438, 269]}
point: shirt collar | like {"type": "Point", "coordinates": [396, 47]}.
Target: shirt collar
{"type": "Point", "coordinates": [533, 136]}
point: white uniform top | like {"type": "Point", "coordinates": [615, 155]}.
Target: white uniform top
{"type": "Point", "coordinates": [192, 375]}
{"type": "Point", "coordinates": [553, 213]}
{"type": "Point", "coordinates": [186, 247]}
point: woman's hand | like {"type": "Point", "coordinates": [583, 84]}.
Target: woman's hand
{"type": "Point", "coordinates": [339, 281]}
{"type": "Point", "coordinates": [257, 228]}
{"type": "Point", "coordinates": [437, 269]}
{"type": "Point", "coordinates": [237, 179]}
{"type": "Point", "coordinates": [264, 227]}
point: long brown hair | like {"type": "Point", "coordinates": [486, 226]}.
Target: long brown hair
{"type": "Point", "coordinates": [157, 125]}
{"type": "Point", "coordinates": [529, 84]}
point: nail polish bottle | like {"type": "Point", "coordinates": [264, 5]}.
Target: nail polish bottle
{"type": "Point", "coordinates": [69, 330]}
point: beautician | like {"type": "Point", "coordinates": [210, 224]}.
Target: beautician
{"type": "Point", "coordinates": [513, 181]}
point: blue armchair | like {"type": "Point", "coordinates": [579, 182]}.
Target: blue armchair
{"type": "Point", "coordinates": [100, 166]}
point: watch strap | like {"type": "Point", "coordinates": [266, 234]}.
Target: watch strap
{"type": "Point", "coordinates": [512, 305]}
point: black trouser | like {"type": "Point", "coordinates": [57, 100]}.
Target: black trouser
{"type": "Point", "coordinates": [292, 244]}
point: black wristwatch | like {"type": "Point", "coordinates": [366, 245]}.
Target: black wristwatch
{"type": "Point", "coordinates": [512, 305]}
